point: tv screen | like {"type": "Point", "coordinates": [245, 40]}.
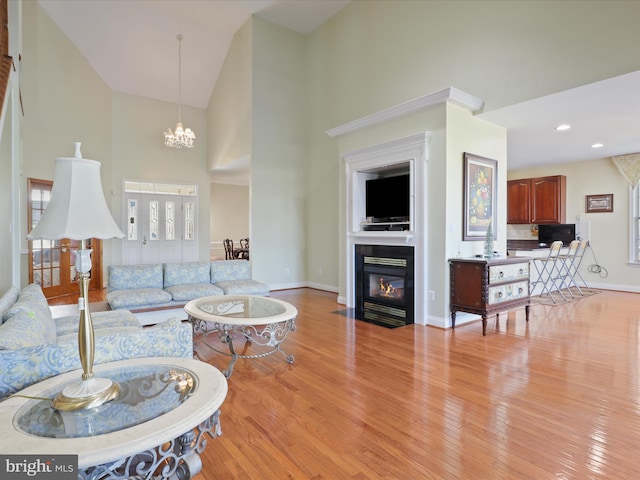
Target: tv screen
{"type": "Point", "coordinates": [387, 199]}
{"type": "Point", "coordinates": [547, 234]}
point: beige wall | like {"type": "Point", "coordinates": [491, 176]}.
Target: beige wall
{"type": "Point", "coordinates": [278, 167]}
{"type": "Point", "coordinates": [608, 232]}
{"type": "Point", "coordinates": [139, 154]}
{"type": "Point", "coordinates": [64, 101]}
{"type": "Point", "coordinates": [229, 215]}
{"type": "Point", "coordinates": [373, 55]}
{"type": "Point", "coordinates": [229, 110]}
{"type": "Point", "coordinates": [369, 56]}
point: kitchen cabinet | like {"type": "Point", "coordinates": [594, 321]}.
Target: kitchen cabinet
{"type": "Point", "coordinates": [488, 286]}
{"type": "Point", "coordinates": [537, 200]}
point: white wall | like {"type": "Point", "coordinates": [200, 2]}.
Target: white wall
{"type": "Point", "coordinates": [609, 232]}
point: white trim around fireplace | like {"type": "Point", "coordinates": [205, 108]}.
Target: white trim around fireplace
{"type": "Point", "coordinates": [409, 155]}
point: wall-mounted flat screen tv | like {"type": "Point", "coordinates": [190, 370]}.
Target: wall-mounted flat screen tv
{"type": "Point", "coordinates": [387, 198]}
{"type": "Point", "coordinates": [549, 233]}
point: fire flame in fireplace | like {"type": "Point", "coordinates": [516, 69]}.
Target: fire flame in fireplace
{"type": "Point", "coordinates": [385, 288]}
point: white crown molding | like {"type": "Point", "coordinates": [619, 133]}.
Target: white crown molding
{"type": "Point", "coordinates": [399, 145]}
{"type": "Point", "coordinates": [450, 94]}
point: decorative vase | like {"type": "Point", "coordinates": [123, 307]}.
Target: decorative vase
{"type": "Point", "coordinates": [488, 242]}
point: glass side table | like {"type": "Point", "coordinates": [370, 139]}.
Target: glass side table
{"type": "Point", "coordinates": [263, 322]}
{"type": "Point", "coordinates": [156, 428]}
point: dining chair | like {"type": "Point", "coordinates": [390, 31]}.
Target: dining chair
{"type": "Point", "coordinates": [228, 249]}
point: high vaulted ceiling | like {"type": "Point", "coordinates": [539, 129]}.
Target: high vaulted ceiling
{"type": "Point", "coordinates": [132, 45]}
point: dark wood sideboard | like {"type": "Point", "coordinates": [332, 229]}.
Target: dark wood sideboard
{"type": "Point", "coordinates": [488, 286]}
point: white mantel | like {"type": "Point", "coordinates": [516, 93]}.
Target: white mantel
{"type": "Point", "coordinates": [411, 154]}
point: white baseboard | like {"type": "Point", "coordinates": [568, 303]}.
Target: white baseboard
{"type": "Point", "coordinates": [317, 286]}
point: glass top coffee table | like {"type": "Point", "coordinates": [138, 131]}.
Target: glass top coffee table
{"type": "Point", "coordinates": [261, 322]}
{"type": "Point", "coordinates": [156, 427]}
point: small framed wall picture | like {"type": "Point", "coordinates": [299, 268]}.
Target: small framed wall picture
{"type": "Point", "coordinates": [599, 203]}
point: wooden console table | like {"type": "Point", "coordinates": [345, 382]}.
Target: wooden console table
{"type": "Point", "coordinates": [488, 286]}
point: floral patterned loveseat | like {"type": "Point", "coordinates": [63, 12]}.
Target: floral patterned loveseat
{"type": "Point", "coordinates": [34, 346]}
{"type": "Point", "coordinates": [163, 285]}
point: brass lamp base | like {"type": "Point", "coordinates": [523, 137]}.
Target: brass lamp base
{"type": "Point", "coordinates": [86, 394]}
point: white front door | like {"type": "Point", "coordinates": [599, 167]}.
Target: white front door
{"type": "Point", "coordinates": [161, 229]}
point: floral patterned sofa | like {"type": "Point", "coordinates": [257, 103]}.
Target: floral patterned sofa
{"type": "Point", "coordinates": [34, 346]}
{"type": "Point", "coordinates": [153, 286]}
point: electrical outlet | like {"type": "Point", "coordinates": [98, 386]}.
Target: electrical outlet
{"type": "Point", "coordinates": [320, 271]}
{"type": "Point", "coordinates": [432, 295]}
{"type": "Point", "coordinates": [287, 271]}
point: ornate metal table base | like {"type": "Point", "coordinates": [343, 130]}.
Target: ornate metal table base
{"type": "Point", "coordinates": [269, 336]}
{"type": "Point", "coordinates": [178, 459]}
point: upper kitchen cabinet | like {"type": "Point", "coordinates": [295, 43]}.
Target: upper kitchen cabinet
{"type": "Point", "coordinates": [537, 200]}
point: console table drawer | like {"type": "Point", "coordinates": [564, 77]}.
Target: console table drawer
{"type": "Point", "coordinates": [508, 292]}
{"type": "Point", "coordinates": [509, 272]}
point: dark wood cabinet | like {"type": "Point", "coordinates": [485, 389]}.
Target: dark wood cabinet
{"type": "Point", "coordinates": [519, 201]}
{"type": "Point", "coordinates": [537, 200]}
{"type": "Point", "coordinates": [487, 287]}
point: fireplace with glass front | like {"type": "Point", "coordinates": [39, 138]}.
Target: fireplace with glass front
{"type": "Point", "coordinates": [384, 284]}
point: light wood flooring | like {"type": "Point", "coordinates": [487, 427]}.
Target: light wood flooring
{"type": "Point", "coordinates": [557, 398]}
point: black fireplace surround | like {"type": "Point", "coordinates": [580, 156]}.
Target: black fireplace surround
{"type": "Point", "coordinates": [384, 276]}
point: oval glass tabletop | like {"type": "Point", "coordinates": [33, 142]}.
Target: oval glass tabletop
{"type": "Point", "coordinates": [146, 392]}
{"type": "Point", "coordinates": [243, 307]}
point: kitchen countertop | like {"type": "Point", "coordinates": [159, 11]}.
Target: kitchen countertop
{"type": "Point", "coordinates": [525, 245]}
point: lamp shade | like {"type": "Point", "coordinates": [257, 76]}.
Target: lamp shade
{"type": "Point", "coordinates": [77, 209]}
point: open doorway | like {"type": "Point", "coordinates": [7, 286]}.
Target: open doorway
{"type": "Point", "coordinates": [229, 216]}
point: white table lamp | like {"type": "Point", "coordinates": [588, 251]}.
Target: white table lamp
{"type": "Point", "coordinates": [78, 211]}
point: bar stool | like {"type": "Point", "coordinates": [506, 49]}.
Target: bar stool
{"type": "Point", "coordinates": [549, 271]}
{"type": "Point", "coordinates": [566, 269]}
{"type": "Point", "coordinates": [573, 269]}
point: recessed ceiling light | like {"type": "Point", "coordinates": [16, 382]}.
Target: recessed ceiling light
{"type": "Point", "coordinates": [597, 145]}
{"type": "Point", "coordinates": [563, 126]}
